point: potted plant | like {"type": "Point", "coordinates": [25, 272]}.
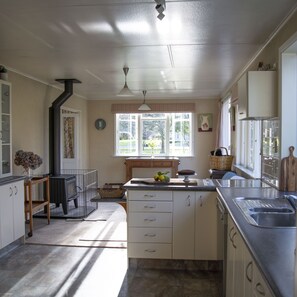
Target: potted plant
{"type": "Point", "coordinates": [3, 73]}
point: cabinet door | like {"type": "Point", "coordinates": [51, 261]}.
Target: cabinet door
{"type": "Point", "coordinates": [206, 227]}
{"type": "Point", "coordinates": [5, 130]}
{"type": "Point", "coordinates": [18, 209]}
{"type": "Point", "coordinates": [183, 225]}
{"type": "Point", "coordinates": [6, 215]}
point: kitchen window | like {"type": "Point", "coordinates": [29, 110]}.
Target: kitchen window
{"type": "Point", "coordinates": [154, 134]}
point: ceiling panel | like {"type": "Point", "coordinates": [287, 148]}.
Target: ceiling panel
{"type": "Point", "coordinates": [196, 51]}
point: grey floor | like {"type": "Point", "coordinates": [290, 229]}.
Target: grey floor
{"type": "Point", "coordinates": [43, 271]}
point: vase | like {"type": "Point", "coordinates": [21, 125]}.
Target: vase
{"type": "Point", "coordinates": [28, 173]}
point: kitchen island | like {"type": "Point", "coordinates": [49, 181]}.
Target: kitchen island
{"type": "Point", "coordinates": [173, 221]}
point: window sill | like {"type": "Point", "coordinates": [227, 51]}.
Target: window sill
{"type": "Point", "coordinates": [245, 172]}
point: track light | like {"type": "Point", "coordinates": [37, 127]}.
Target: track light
{"type": "Point", "coordinates": [161, 16]}
{"type": "Point", "coordinates": [160, 7]}
{"type": "Point", "coordinates": [144, 106]}
{"type": "Point", "coordinates": [125, 91]}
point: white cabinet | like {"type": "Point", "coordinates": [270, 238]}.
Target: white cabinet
{"type": "Point", "coordinates": [183, 225]}
{"type": "Point", "coordinates": [5, 129]}
{"type": "Point", "coordinates": [243, 277]}
{"type": "Point", "coordinates": [257, 95]}
{"type": "Point", "coordinates": [150, 224]}
{"type": "Point", "coordinates": [206, 227]}
{"type": "Point", "coordinates": [12, 218]}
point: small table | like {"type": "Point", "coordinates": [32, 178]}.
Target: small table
{"type": "Point", "coordinates": [146, 162]}
{"type": "Point", "coordinates": [33, 206]}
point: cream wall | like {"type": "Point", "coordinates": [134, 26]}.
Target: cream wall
{"type": "Point", "coordinates": [30, 103]}
{"type": "Point", "coordinates": [112, 169]}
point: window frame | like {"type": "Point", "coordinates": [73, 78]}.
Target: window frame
{"type": "Point", "coordinates": [138, 138]}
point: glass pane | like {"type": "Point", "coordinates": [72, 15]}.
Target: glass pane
{"type": "Point", "coordinates": [126, 134]}
{"type": "Point", "coordinates": [153, 137]}
{"type": "Point", "coordinates": [5, 99]}
{"type": "Point", "coordinates": [180, 135]}
{"type": "Point", "coordinates": [5, 128]}
{"type": "Point", "coordinates": [69, 132]}
{"type": "Point", "coordinates": [5, 159]}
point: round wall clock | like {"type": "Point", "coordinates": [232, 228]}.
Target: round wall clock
{"type": "Point", "coordinates": [100, 124]}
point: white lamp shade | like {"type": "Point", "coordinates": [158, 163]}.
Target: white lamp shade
{"type": "Point", "coordinates": [125, 92]}
{"type": "Point", "coordinates": [144, 107]}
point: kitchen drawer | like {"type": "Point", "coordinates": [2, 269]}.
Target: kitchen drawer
{"type": "Point", "coordinates": [150, 206]}
{"type": "Point", "coordinates": [149, 250]}
{"type": "Point", "coordinates": [144, 219]}
{"type": "Point", "coordinates": [150, 195]}
{"type": "Point", "coordinates": [153, 235]}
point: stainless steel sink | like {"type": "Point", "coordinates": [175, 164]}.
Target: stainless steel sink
{"type": "Point", "coordinates": [269, 213]}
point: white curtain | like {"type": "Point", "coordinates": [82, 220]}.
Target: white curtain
{"type": "Point", "coordinates": [225, 125]}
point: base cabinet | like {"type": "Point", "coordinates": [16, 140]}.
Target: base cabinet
{"type": "Point", "coordinates": [12, 218]}
{"type": "Point", "coordinates": [243, 276]}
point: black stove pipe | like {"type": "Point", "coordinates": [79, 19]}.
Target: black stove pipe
{"type": "Point", "coordinates": [55, 126]}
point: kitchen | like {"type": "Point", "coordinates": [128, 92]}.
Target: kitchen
{"type": "Point", "coordinates": [31, 98]}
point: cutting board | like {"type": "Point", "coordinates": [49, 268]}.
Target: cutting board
{"type": "Point", "coordinates": [288, 174]}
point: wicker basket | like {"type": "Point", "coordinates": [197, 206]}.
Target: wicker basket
{"type": "Point", "coordinates": [112, 190]}
{"type": "Point", "coordinates": [220, 162]}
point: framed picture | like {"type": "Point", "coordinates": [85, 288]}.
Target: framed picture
{"type": "Point", "coordinates": [205, 122]}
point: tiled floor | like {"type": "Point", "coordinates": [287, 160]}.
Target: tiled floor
{"type": "Point", "coordinates": [60, 271]}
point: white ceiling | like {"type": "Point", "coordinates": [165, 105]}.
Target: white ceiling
{"type": "Point", "coordinates": [196, 51]}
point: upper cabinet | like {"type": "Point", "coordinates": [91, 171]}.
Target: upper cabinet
{"type": "Point", "coordinates": [5, 129]}
{"type": "Point", "coordinates": [257, 95]}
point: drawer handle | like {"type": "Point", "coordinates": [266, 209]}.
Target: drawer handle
{"type": "Point", "coordinates": [250, 265]}
{"type": "Point", "coordinates": [150, 250]}
{"type": "Point", "coordinates": [150, 220]}
{"type": "Point", "coordinates": [150, 206]}
{"type": "Point", "coordinates": [150, 235]}
{"type": "Point", "coordinates": [15, 190]}
{"type": "Point", "coordinates": [260, 289]}
{"type": "Point", "coordinates": [10, 191]}
{"type": "Point", "coordinates": [149, 196]}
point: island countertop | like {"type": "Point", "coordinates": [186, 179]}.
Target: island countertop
{"type": "Point", "coordinates": [175, 184]}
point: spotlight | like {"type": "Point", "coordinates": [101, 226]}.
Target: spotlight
{"type": "Point", "coordinates": [161, 16]}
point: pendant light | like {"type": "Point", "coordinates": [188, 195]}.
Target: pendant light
{"type": "Point", "coordinates": [125, 91]}
{"type": "Point", "coordinates": [144, 106]}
